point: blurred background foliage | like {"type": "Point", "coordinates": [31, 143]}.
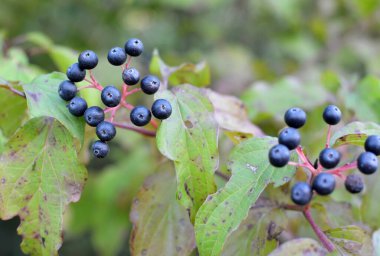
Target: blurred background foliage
{"type": "Point", "coordinates": [273, 54]}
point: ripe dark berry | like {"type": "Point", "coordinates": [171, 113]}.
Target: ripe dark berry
{"type": "Point", "coordinates": [161, 109]}
{"type": "Point", "coordinates": [87, 59]}
{"type": "Point", "coordinates": [289, 137]}
{"type": "Point", "coordinates": [332, 115]}
{"type": "Point", "coordinates": [295, 117]}
{"type": "Point", "coordinates": [134, 47]}
{"type": "Point", "coordinates": [105, 131]}
{"type": "Point", "coordinates": [329, 158]}
{"type": "Point", "coordinates": [67, 90]}
{"type": "Point", "coordinates": [140, 116]}
{"type": "Point", "coordinates": [111, 96]}
{"type": "Point", "coordinates": [354, 183]}
{"type": "Point", "coordinates": [77, 106]}
{"type": "Point", "coordinates": [324, 183]}
{"type": "Point", "coordinates": [150, 84]}
{"type": "Point", "coordinates": [131, 76]}
{"type": "Point", "coordinates": [279, 155]}
{"type": "Point", "coordinates": [372, 144]}
{"type": "Point", "coordinates": [116, 56]}
{"type": "Point", "coordinates": [301, 193]}
{"type": "Point", "coordinates": [94, 116]}
{"type": "Point", "coordinates": [75, 73]}
{"type": "Point", "coordinates": [367, 163]}
{"type": "Point", "coordinates": [100, 149]}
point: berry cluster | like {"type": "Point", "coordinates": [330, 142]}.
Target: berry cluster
{"type": "Point", "coordinates": [111, 96]}
{"type": "Point", "coordinates": [324, 170]}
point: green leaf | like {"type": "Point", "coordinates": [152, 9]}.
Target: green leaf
{"type": "Point", "coordinates": [354, 133]}
{"type": "Point", "coordinates": [43, 100]}
{"type": "Point", "coordinates": [351, 240]}
{"type": "Point", "coordinates": [223, 211]}
{"type": "Point", "coordinates": [40, 176]}
{"type": "Point", "coordinates": [257, 234]}
{"type": "Point", "coordinates": [63, 56]}
{"type": "Point", "coordinates": [300, 247]}
{"type": "Point", "coordinates": [376, 242]}
{"type": "Point", "coordinates": [189, 138]}
{"type": "Point", "coordinates": [161, 226]}
{"type": "Point", "coordinates": [195, 74]}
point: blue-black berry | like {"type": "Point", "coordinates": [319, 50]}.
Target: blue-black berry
{"type": "Point", "coordinates": [279, 155]}
{"type": "Point", "coordinates": [289, 137]}
{"type": "Point", "coordinates": [67, 90]}
{"type": "Point", "coordinates": [140, 116]}
{"type": "Point", "coordinates": [161, 109]}
{"type": "Point", "coordinates": [324, 183]}
{"type": "Point", "coordinates": [105, 131]}
{"type": "Point", "coordinates": [134, 47]}
{"type": "Point", "coordinates": [100, 149]}
{"type": "Point", "coordinates": [295, 117]}
{"type": "Point", "coordinates": [117, 56]}
{"type": "Point", "coordinates": [367, 163]}
{"type": "Point", "coordinates": [77, 106]}
{"type": "Point", "coordinates": [75, 73]}
{"type": "Point", "coordinates": [94, 116]}
{"type": "Point", "coordinates": [372, 144]}
{"type": "Point", "coordinates": [301, 193]}
{"type": "Point", "coordinates": [329, 158]}
{"type": "Point", "coordinates": [354, 183]}
{"type": "Point", "coordinates": [87, 59]}
{"type": "Point", "coordinates": [332, 115]}
{"type": "Point", "coordinates": [110, 96]}
{"type": "Point", "coordinates": [150, 84]}
{"type": "Point", "coordinates": [131, 76]}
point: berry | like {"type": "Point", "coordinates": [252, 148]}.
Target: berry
{"type": "Point", "coordinates": [140, 116]}
{"type": "Point", "coordinates": [94, 115]}
{"type": "Point", "coordinates": [77, 106]}
{"type": "Point", "coordinates": [332, 115]}
{"type": "Point", "coordinates": [100, 149]}
{"type": "Point", "coordinates": [134, 47]}
{"type": "Point", "coordinates": [279, 155]}
{"type": "Point", "coordinates": [372, 144]}
{"type": "Point", "coordinates": [289, 137]}
{"type": "Point", "coordinates": [329, 158]}
{"type": "Point", "coordinates": [116, 56]}
{"type": "Point", "coordinates": [75, 73]}
{"type": "Point", "coordinates": [295, 117]}
{"type": "Point", "coordinates": [111, 96]}
{"type": "Point", "coordinates": [354, 183]}
{"type": "Point", "coordinates": [131, 76]}
{"type": "Point", "coordinates": [105, 131]}
{"type": "Point", "coordinates": [367, 163]}
{"type": "Point", "coordinates": [67, 90]}
{"type": "Point", "coordinates": [301, 193]}
{"type": "Point", "coordinates": [324, 183]}
{"type": "Point", "coordinates": [161, 109]}
{"type": "Point", "coordinates": [87, 59]}
{"type": "Point", "coordinates": [150, 84]}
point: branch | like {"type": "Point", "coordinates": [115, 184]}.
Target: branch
{"type": "Point", "coordinates": [136, 129]}
{"type": "Point", "coordinates": [10, 88]}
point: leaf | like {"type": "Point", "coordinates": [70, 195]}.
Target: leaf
{"type": "Point", "coordinates": [376, 242]}
{"type": "Point", "coordinates": [351, 240]}
{"type": "Point", "coordinates": [257, 234]}
{"type": "Point", "coordinates": [223, 211]}
{"type": "Point", "coordinates": [43, 100]}
{"type": "Point", "coordinates": [300, 247]}
{"type": "Point", "coordinates": [186, 73]}
{"type": "Point", "coordinates": [40, 176]}
{"type": "Point", "coordinates": [161, 226]}
{"type": "Point", "coordinates": [354, 133]}
{"type": "Point", "coordinates": [189, 138]}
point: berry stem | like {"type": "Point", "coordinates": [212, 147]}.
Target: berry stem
{"type": "Point", "coordinates": [328, 137]}
{"type": "Point", "coordinates": [94, 81]}
{"type": "Point", "coordinates": [132, 92]}
{"type": "Point", "coordinates": [129, 59]}
{"type": "Point", "coordinates": [154, 123]}
{"type": "Point", "coordinates": [346, 167]}
{"type": "Point", "coordinates": [322, 237]}
{"type": "Point", "coordinates": [298, 164]}
{"type": "Point", "coordinates": [10, 88]}
{"type": "Point", "coordinates": [136, 129]}
{"type": "Point", "coordinates": [304, 160]}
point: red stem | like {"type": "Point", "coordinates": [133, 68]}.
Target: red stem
{"type": "Point", "coordinates": [346, 167]}
{"type": "Point", "coordinates": [322, 236]}
{"type": "Point", "coordinates": [304, 160]}
{"type": "Point", "coordinates": [136, 129]}
{"type": "Point", "coordinates": [10, 88]}
{"type": "Point", "coordinates": [328, 137]}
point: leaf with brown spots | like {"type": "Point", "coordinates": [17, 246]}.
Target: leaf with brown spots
{"type": "Point", "coordinates": [300, 247]}
{"type": "Point", "coordinates": [354, 133]}
{"type": "Point", "coordinates": [161, 226]}
{"type": "Point", "coordinates": [189, 138]}
{"type": "Point", "coordinates": [40, 176]}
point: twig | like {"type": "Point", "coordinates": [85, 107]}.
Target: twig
{"type": "Point", "coordinates": [10, 88]}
